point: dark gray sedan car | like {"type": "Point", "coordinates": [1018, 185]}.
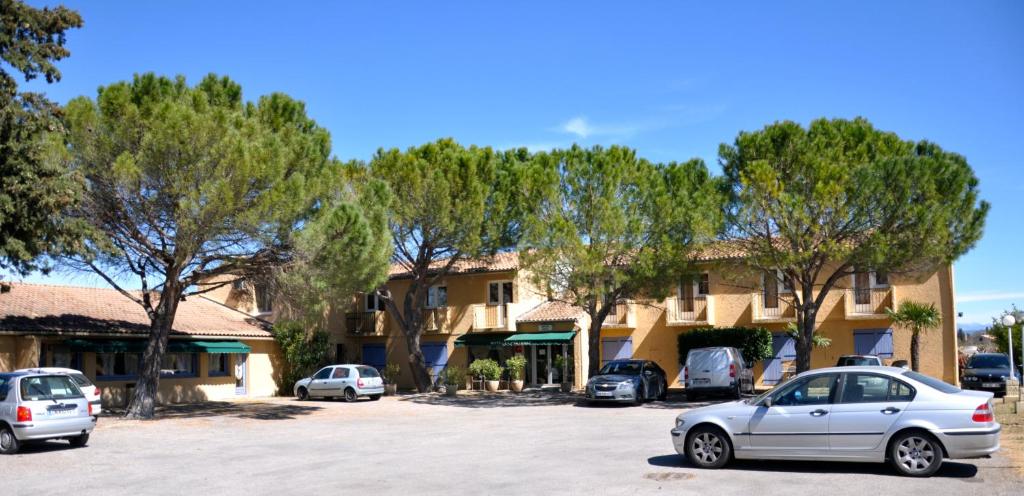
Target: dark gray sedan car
{"type": "Point", "coordinates": [988, 372]}
{"type": "Point", "coordinates": [628, 381]}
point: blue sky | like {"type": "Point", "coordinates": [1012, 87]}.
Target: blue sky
{"type": "Point", "coordinates": [671, 79]}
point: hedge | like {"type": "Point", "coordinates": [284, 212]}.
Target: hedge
{"type": "Point", "coordinates": [755, 343]}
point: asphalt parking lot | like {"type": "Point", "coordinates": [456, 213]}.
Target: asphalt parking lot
{"type": "Point", "coordinates": [428, 444]}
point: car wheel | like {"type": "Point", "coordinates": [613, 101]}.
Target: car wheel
{"type": "Point", "coordinates": [915, 454]}
{"type": "Point", "coordinates": [374, 397]}
{"type": "Point", "coordinates": [708, 447]}
{"type": "Point", "coordinates": [691, 396]}
{"type": "Point", "coordinates": [664, 391]}
{"type": "Point", "coordinates": [8, 443]}
{"type": "Point", "coordinates": [302, 394]}
{"type": "Point", "coordinates": [641, 395]}
{"type": "Point", "coordinates": [739, 391]}
{"type": "Point", "coordinates": [79, 441]}
{"type": "Point", "coordinates": [350, 395]}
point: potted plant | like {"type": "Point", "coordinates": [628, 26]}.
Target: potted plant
{"type": "Point", "coordinates": [390, 376]}
{"type": "Point", "coordinates": [516, 365]}
{"type": "Point", "coordinates": [453, 376]}
{"type": "Point", "coordinates": [488, 370]}
{"type": "Point", "coordinates": [559, 364]}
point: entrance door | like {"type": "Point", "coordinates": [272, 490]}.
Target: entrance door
{"type": "Point", "coordinates": [541, 365]}
{"type": "Point", "coordinates": [436, 356]}
{"type": "Point", "coordinates": [375, 356]}
{"type": "Point", "coordinates": [241, 374]}
{"type": "Point", "coordinates": [862, 288]}
{"type": "Point", "coordinates": [783, 350]}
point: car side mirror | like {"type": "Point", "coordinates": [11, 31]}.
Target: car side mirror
{"type": "Point", "coordinates": [767, 402]}
{"type": "Point", "coordinates": [648, 373]}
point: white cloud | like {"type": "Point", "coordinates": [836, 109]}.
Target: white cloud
{"type": "Point", "coordinates": [578, 126]}
{"type": "Point", "coordinates": [963, 298]}
{"type": "Point", "coordinates": [583, 128]}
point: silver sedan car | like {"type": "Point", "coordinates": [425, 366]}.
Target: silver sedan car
{"type": "Point", "coordinates": [341, 381]}
{"type": "Point", "coordinates": [861, 414]}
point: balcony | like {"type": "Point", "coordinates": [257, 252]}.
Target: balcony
{"type": "Point", "coordinates": [365, 323]}
{"type": "Point", "coordinates": [438, 320]}
{"type": "Point", "coordinates": [621, 316]}
{"type": "Point", "coordinates": [782, 312]}
{"type": "Point", "coordinates": [495, 317]}
{"type": "Point", "coordinates": [699, 310]}
{"type": "Point", "coordinates": [867, 303]}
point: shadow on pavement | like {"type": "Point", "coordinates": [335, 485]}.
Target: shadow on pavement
{"type": "Point", "coordinates": [504, 399]}
{"type": "Point", "coordinates": [954, 470]}
{"type": "Point", "coordinates": [44, 447]}
{"type": "Point", "coordinates": [243, 410]}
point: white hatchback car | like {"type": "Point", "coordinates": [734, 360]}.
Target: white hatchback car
{"type": "Point", "coordinates": [91, 391]}
{"type": "Point", "coordinates": [40, 406]}
{"type": "Point", "coordinates": [341, 381]}
{"type": "Point", "coordinates": [865, 414]}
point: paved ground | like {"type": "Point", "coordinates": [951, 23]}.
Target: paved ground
{"type": "Point", "coordinates": [498, 444]}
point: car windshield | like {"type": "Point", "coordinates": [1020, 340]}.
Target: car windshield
{"type": "Point", "coordinates": [80, 380]}
{"type": "Point", "coordinates": [989, 362]}
{"type": "Point", "coordinates": [49, 387]}
{"type": "Point", "coordinates": [367, 371]}
{"type": "Point", "coordinates": [621, 368]}
{"type": "Point", "coordinates": [932, 382]}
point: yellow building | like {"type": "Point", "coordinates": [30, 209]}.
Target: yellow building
{"type": "Point", "coordinates": [214, 353]}
{"type": "Point", "coordinates": [488, 308]}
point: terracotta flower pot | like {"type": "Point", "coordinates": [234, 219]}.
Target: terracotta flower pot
{"type": "Point", "coordinates": [390, 389]}
{"type": "Point", "coordinates": [517, 386]}
{"type": "Point", "coordinates": [492, 386]}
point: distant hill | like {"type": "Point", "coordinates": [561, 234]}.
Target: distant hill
{"type": "Point", "coordinates": [972, 327]}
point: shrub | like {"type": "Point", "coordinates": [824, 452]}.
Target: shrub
{"type": "Point", "coordinates": [390, 373]}
{"type": "Point", "coordinates": [754, 343]}
{"type": "Point", "coordinates": [304, 352]}
{"type": "Point", "coordinates": [454, 375]}
{"type": "Point", "coordinates": [486, 368]}
{"type": "Point", "coordinates": [516, 365]}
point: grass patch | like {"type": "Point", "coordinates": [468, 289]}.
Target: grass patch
{"type": "Point", "coordinates": [1012, 437]}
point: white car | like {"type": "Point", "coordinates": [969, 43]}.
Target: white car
{"type": "Point", "coordinates": [858, 414]}
{"type": "Point", "coordinates": [341, 381]}
{"type": "Point", "coordinates": [90, 390]}
{"type": "Point", "coordinates": [38, 406]}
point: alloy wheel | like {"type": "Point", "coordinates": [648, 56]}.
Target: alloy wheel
{"type": "Point", "coordinates": [6, 439]}
{"type": "Point", "coordinates": [915, 454]}
{"type": "Point", "coordinates": [706, 447]}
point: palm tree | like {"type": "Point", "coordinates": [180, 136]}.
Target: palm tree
{"type": "Point", "coordinates": [916, 317]}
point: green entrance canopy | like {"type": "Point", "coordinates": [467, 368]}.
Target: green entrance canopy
{"type": "Point", "coordinates": [540, 338]}
{"type": "Point", "coordinates": [492, 339]}
{"type": "Point", "coordinates": [139, 345]}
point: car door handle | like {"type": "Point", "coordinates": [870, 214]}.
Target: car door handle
{"type": "Point", "coordinates": [891, 410]}
{"type": "Point", "coordinates": [819, 412]}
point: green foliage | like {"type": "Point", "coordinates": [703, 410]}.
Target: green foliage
{"type": "Point", "coordinates": [516, 365]}
{"type": "Point", "coordinates": [486, 368]}
{"type": "Point", "coordinates": [454, 376]}
{"type": "Point", "coordinates": [304, 352]}
{"type": "Point", "coordinates": [818, 340]}
{"type": "Point", "coordinates": [35, 190]}
{"type": "Point", "coordinates": [822, 202]}
{"type": "Point", "coordinates": [754, 343]}
{"type": "Point", "coordinates": [915, 316]}
{"type": "Point", "coordinates": [390, 373]}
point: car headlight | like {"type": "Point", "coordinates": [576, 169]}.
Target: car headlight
{"type": "Point", "coordinates": [679, 421]}
{"type": "Point", "coordinates": [970, 378]}
{"type": "Point", "coordinates": [626, 385]}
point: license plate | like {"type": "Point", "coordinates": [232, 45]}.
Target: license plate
{"type": "Point", "coordinates": [61, 413]}
{"type": "Point", "coordinates": [991, 384]}
{"type": "Point", "coordinates": [701, 381]}
{"type": "Point", "coordinates": [603, 393]}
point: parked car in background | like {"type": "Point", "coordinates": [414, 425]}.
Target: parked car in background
{"type": "Point", "coordinates": [717, 370]}
{"type": "Point", "coordinates": [863, 414]}
{"type": "Point", "coordinates": [341, 381]}
{"type": "Point", "coordinates": [988, 372]}
{"type": "Point", "coordinates": [37, 406]}
{"type": "Point", "coordinates": [632, 381]}
{"type": "Point", "coordinates": [858, 360]}
{"type": "Point", "coordinates": [90, 390]}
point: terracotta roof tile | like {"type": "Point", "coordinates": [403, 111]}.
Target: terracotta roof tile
{"type": "Point", "coordinates": [47, 308]}
{"type": "Point", "coordinates": [500, 262]}
{"type": "Point", "coordinates": [552, 311]}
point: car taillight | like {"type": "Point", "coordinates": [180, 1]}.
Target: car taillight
{"type": "Point", "coordinates": [90, 408]}
{"type": "Point", "coordinates": [359, 383]}
{"type": "Point", "coordinates": [732, 370]}
{"type": "Point", "coordinates": [97, 392]}
{"type": "Point", "coordinates": [24, 414]}
{"type": "Point", "coordinates": [686, 373]}
{"type": "Point", "coordinates": [983, 414]}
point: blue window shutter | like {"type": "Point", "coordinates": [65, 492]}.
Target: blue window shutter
{"type": "Point", "coordinates": [374, 355]}
{"type": "Point", "coordinates": [884, 347]}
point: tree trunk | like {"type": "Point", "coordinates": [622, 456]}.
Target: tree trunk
{"type": "Point", "coordinates": [594, 349]}
{"type": "Point", "coordinates": [143, 400]}
{"type": "Point", "coordinates": [805, 345]}
{"type": "Point", "coordinates": [417, 364]}
{"type": "Point", "coordinates": [915, 342]}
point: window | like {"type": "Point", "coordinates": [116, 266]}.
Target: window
{"type": "Point", "coordinates": [881, 278]}
{"type": "Point", "coordinates": [238, 284]}
{"type": "Point", "coordinates": [113, 365]}
{"type": "Point", "coordinates": [932, 382]}
{"type": "Point", "coordinates": [4, 387]}
{"type": "Point", "coordinates": [264, 296]}
{"type": "Point", "coordinates": [437, 296]}
{"type": "Point", "coordinates": [323, 373]}
{"type": "Point", "coordinates": [373, 303]}
{"type": "Point", "coordinates": [368, 372]}
{"type": "Point", "coordinates": [900, 391]}
{"type": "Point", "coordinates": [340, 373]}
{"type": "Point", "coordinates": [217, 364]}
{"type": "Point", "coordinates": [49, 387]}
{"type": "Point", "coordinates": [178, 365]}
{"type": "Point", "coordinates": [815, 390]}
{"type": "Point", "coordinates": [703, 286]}
{"type": "Point", "coordinates": [865, 388]}
{"type": "Point", "coordinates": [981, 361]}
{"type": "Point", "coordinates": [499, 293]}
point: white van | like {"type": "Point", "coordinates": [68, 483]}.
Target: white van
{"type": "Point", "coordinates": [717, 370]}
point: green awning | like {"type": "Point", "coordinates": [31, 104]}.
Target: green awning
{"type": "Point", "coordinates": [491, 339]}
{"type": "Point", "coordinates": [139, 345]}
{"type": "Point", "coordinates": [539, 338]}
